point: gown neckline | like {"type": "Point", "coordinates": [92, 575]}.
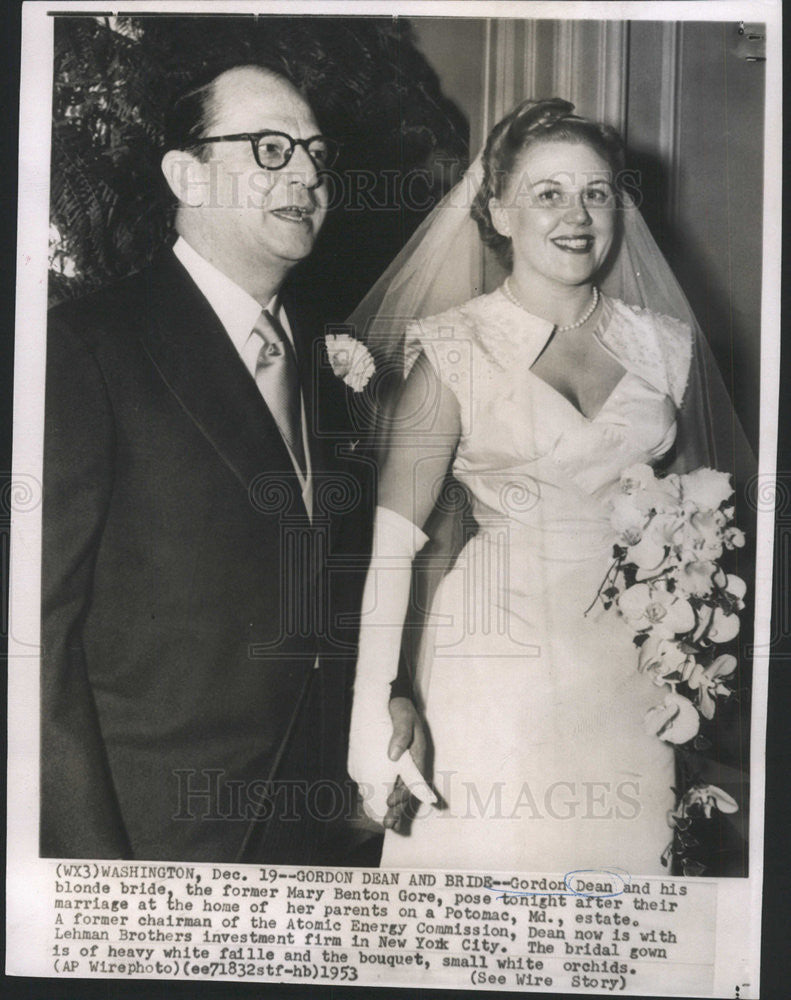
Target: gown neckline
{"type": "Point", "coordinates": [548, 329]}
{"type": "Point", "coordinates": [583, 416]}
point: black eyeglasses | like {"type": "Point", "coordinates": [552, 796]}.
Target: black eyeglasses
{"type": "Point", "coordinates": [273, 150]}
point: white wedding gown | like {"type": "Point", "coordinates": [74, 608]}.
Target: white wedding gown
{"type": "Point", "coordinates": [535, 708]}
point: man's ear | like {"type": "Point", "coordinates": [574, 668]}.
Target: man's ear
{"type": "Point", "coordinates": [186, 176]}
{"type": "Point", "coordinates": [499, 217]}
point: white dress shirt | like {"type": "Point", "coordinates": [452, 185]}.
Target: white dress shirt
{"type": "Point", "coordinates": [238, 312]}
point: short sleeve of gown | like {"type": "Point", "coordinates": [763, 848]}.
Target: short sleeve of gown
{"type": "Point", "coordinates": [658, 348]}
{"type": "Point", "coordinates": [447, 341]}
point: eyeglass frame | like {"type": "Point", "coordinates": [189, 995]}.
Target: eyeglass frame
{"type": "Point", "coordinates": [255, 137]}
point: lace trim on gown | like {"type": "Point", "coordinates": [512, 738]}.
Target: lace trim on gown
{"type": "Point", "coordinates": [656, 348]}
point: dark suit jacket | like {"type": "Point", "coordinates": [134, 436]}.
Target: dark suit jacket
{"type": "Point", "coordinates": [184, 591]}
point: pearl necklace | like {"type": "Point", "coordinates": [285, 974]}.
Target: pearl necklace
{"type": "Point", "coordinates": [511, 296]}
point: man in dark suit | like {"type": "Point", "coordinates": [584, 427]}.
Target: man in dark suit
{"type": "Point", "coordinates": [193, 692]}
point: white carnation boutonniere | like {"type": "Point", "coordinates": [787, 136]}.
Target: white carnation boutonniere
{"type": "Point", "coordinates": [350, 360]}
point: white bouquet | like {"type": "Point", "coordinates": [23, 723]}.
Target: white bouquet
{"type": "Point", "coordinates": [668, 586]}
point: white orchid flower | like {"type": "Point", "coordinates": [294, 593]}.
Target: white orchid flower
{"type": "Point", "coordinates": [733, 538]}
{"type": "Point", "coordinates": [655, 549]}
{"type": "Point", "coordinates": [637, 477]}
{"type": "Point", "coordinates": [657, 610]}
{"type": "Point", "coordinates": [737, 588]}
{"type": "Point", "coordinates": [676, 720]}
{"type": "Point", "coordinates": [696, 577]}
{"type": "Point", "coordinates": [627, 519]}
{"type": "Point", "coordinates": [707, 488]}
{"type": "Point", "coordinates": [710, 797]}
{"type": "Point", "coordinates": [661, 657]}
{"type": "Point", "coordinates": [649, 493]}
{"type": "Point", "coordinates": [708, 685]}
{"type": "Point", "coordinates": [724, 626]}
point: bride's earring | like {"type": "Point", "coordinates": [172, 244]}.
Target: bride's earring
{"type": "Point", "coordinates": [499, 217]}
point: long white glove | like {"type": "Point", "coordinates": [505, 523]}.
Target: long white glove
{"type": "Point", "coordinates": [396, 540]}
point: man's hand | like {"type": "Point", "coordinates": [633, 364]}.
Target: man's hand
{"type": "Point", "coordinates": [379, 734]}
{"type": "Point", "coordinates": [409, 734]}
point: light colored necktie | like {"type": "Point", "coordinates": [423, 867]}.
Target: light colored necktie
{"type": "Point", "coordinates": [278, 382]}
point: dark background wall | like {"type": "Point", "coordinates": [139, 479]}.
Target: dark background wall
{"type": "Point", "coordinates": [712, 220]}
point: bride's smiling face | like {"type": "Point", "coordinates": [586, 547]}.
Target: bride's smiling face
{"type": "Point", "coordinates": [558, 208]}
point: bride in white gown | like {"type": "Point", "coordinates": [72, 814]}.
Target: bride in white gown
{"type": "Point", "coordinates": [537, 396]}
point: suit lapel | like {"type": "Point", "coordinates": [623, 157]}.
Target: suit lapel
{"type": "Point", "coordinates": [195, 357]}
{"type": "Point", "coordinates": [306, 364]}
{"type": "Point", "coordinates": [322, 391]}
